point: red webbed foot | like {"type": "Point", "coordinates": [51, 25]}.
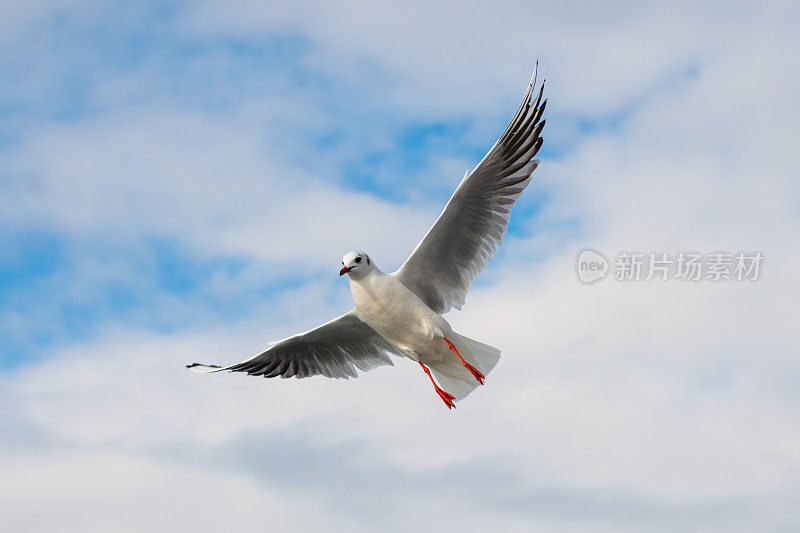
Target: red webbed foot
{"type": "Point", "coordinates": [447, 398]}
{"type": "Point", "coordinates": [474, 371]}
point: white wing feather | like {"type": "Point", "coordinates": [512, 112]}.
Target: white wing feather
{"type": "Point", "coordinates": [335, 350]}
{"type": "Point", "coordinates": [455, 250]}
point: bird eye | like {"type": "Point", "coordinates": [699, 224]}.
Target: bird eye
{"type": "Point", "coordinates": [358, 259]}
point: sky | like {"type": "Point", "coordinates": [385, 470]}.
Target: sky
{"type": "Point", "coordinates": [178, 183]}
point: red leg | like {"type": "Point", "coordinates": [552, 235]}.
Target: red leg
{"type": "Point", "coordinates": [446, 397]}
{"type": "Point", "coordinates": [474, 371]}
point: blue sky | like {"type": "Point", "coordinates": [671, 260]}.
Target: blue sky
{"type": "Point", "coordinates": [187, 74]}
{"type": "Point", "coordinates": [178, 182]}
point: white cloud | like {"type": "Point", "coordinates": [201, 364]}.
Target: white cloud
{"type": "Point", "coordinates": [145, 174]}
{"type": "Point", "coordinates": [603, 395]}
{"type": "Point", "coordinates": [98, 490]}
{"type": "Point", "coordinates": [598, 57]}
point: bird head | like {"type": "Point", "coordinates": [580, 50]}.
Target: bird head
{"type": "Point", "coordinates": [356, 265]}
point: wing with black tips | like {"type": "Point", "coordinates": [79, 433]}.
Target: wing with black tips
{"type": "Point", "coordinates": [336, 349]}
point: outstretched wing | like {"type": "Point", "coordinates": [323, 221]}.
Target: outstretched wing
{"type": "Point", "coordinates": [449, 258]}
{"type": "Point", "coordinates": [335, 350]}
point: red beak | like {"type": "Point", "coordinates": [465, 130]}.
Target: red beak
{"type": "Point", "coordinates": [345, 270]}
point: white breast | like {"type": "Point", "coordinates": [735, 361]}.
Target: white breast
{"type": "Point", "coordinates": [396, 313]}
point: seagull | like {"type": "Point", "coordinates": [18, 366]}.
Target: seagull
{"type": "Point", "coordinates": [400, 313]}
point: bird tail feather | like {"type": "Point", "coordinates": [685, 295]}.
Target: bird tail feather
{"type": "Point", "coordinates": [453, 376]}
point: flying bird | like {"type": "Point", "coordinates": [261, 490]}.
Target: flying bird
{"type": "Point", "coordinates": [400, 313]}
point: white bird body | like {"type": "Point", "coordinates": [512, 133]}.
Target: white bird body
{"type": "Point", "coordinates": [400, 313]}
{"type": "Point", "coordinates": [386, 305]}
